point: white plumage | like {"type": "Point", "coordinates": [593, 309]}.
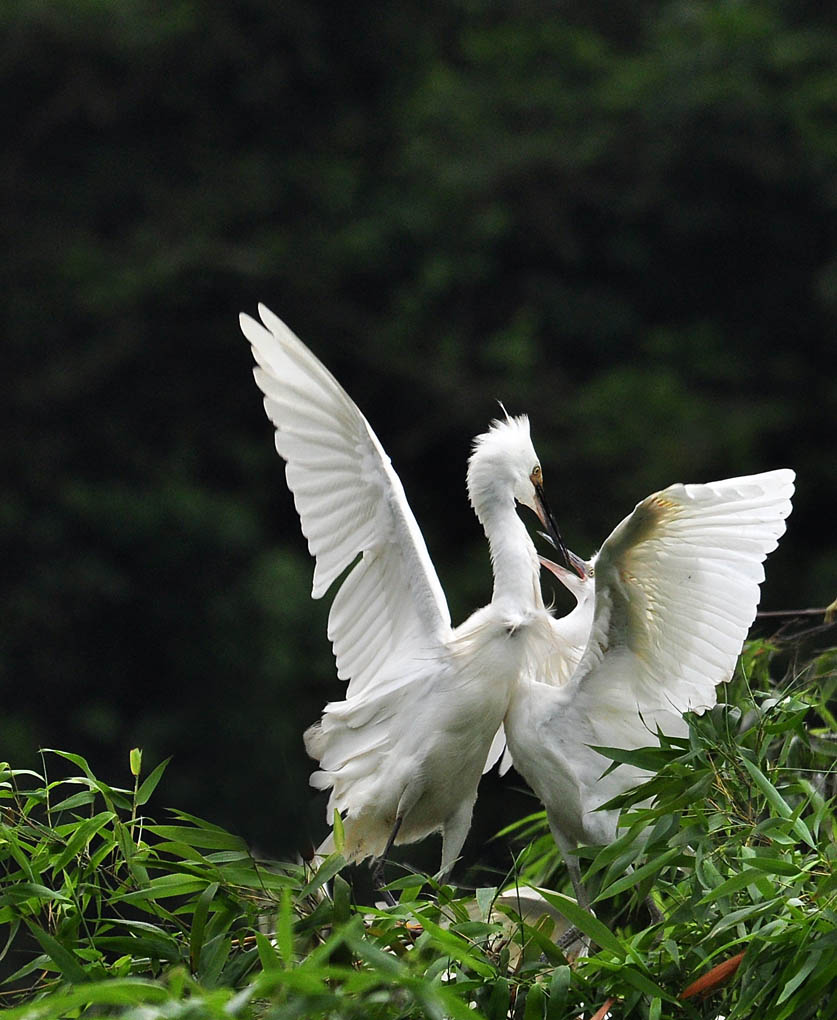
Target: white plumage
{"type": "Point", "coordinates": [403, 753]}
{"type": "Point", "coordinates": [662, 615]}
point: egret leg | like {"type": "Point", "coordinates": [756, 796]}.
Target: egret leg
{"type": "Point", "coordinates": [454, 832]}
{"type": "Point", "coordinates": [378, 869]}
{"type": "Point", "coordinates": [572, 934]}
{"type": "Point", "coordinates": [657, 916]}
{"type": "Point", "coordinates": [566, 847]}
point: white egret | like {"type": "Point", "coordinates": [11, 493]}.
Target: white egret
{"type": "Point", "coordinates": [662, 613]}
{"type": "Point", "coordinates": [404, 752]}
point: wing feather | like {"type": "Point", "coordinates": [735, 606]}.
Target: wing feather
{"type": "Point", "coordinates": [352, 509]}
{"type": "Point", "coordinates": [677, 586]}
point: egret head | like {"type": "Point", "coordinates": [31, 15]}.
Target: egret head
{"type": "Point", "coordinates": [503, 467]}
{"type": "Point", "coordinates": [578, 580]}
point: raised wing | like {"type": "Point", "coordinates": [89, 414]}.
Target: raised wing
{"type": "Point", "coordinates": [677, 585]}
{"type": "Point", "coordinates": [351, 504]}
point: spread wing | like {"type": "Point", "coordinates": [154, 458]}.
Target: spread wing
{"type": "Point", "coordinates": [677, 585]}
{"type": "Point", "coordinates": [352, 507]}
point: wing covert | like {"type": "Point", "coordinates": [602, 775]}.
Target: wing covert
{"type": "Point", "coordinates": [352, 507]}
{"type": "Point", "coordinates": [677, 586]}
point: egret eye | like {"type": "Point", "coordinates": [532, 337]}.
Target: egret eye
{"type": "Point", "coordinates": [537, 475]}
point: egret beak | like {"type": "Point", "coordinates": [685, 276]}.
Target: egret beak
{"type": "Point", "coordinates": [579, 567]}
{"type": "Point", "coordinates": [548, 521]}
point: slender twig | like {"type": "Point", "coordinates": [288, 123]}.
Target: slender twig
{"type": "Point", "coordinates": [791, 612]}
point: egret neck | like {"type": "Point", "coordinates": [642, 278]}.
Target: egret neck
{"type": "Point", "coordinates": [513, 555]}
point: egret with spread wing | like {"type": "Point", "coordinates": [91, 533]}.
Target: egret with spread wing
{"type": "Point", "coordinates": [662, 613]}
{"type": "Point", "coordinates": [404, 752]}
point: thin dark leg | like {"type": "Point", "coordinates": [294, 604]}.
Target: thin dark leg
{"type": "Point", "coordinates": [657, 916]}
{"type": "Point", "coordinates": [378, 869]}
{"type": "Point", "coordinates": [572, 934]}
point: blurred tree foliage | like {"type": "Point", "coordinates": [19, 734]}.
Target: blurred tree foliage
{"type": "Point", "coordinates": [617, 217]}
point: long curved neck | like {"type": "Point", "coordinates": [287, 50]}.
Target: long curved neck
{"type": "Point", "coordinates": [513, 557]}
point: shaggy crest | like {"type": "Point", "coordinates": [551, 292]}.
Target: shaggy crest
{"type": "Point", "coordinates": [505, 449]}
{"type": "Point", "coordinates": [509, 433]}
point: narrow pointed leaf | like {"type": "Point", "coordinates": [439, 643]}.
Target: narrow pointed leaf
{"type": "Point", "coordinates": [585, 921]}
{"type": "Point", "coordinates": [149, 784]}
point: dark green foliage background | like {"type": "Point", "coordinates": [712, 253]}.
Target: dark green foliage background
{"type": "Point", "coordinates": [617, 217]}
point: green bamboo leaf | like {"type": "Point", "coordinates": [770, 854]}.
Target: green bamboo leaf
{"type": "Point", "coordinates": [535, 1002]}
{"type": "Point", "coordinates": [451, 943]}
{"type": "Point", "coordinates": [136, 946]}
{"type": "Point", "coordinates": [125, 991]}
{"type": "Point", "coordinates": [532, 934]}
{"type": "Point", "coordinates": [805, 968]}
{"type": "Point", "coordinates": [84, 832]}
{"type": "Point", "coordinates": [448, 1005]}
{"type": "Point", "coordinates": [649, 759]}
{"type": "Point", "coordinates": [638, 875]}
{"type": "Point", "coordinates": [267, 954]}
{"type": "Point", "coordinates": [559, 986]}
{"type": "Point", "coordinates": [775, 866]}
{"type": "Point", "coordinates": [497, 1007]}
{"type": "Point", "coordinates": [338, 833]}
{"type": "Point", "coordinates": [342, 899]}
{"type": "Point", "coordinates": [253, 877]}
{"type": "Point", "coordinates": [620, 866]}
{"type": "Point", "coordinates": [285, 929]}
{"type": "Point", "coordinates": [585, 922]}
{"type": "Point", "coordinates": [778, 802]}
{"type": "Point", "coordinates": [14, 926]}
{"type": "Point", "coordinates": [745, 914]}
{"type": "Point", "coordinates": [536, 820]}
{"type": "Point", "coordinates": [329, 869]}
{"type": "Point", "coordinates": [185, 853]}
{"type": "Point", "coordinates": [164, 887]}
{"type": "Point", "coordinates": [149, 784]}
{"type": "Point", "coordinates": [429, 999]}
{"type": "Point", "coordinates": [744, 878]}
{"type": "Point", "coordinates": [20, 892]}
{"type": "Point", "coordinates": [818, 987]}
{"type": "Point", "coordinates": [125, 841]}
{"type": "Point", "coordinates": [777, 828]}
{"type": "Point", "coordinates": [200, 838]}
{"type": "Point", "coordinates": [624, 845]}
{"type": "Point", "coordinates": [135, 761]}
{"type": "Point", "coordinates": [385, 963]}
{"type": "Point", "coordinates": [63, 959]}
{"type": "Point", "coordinates": [10, 838]}
{"type": "Point", "coordinates": [76, 759]}
{"type": "Point", "coordinates": [199, 924]}
{"type": "Point", "coordinates": [213, 959]}
{"type": "Point", "coordinates": [485, 900]}
{"type": "Point", "coordinates": [643, 983]}
{"type": "Point", "coordinates": [75, 800]}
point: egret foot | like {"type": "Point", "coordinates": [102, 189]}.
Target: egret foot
{"type": "Point", "coordinates": [573, 937]}
{"type": "Point", "coordinates": [572, 934]}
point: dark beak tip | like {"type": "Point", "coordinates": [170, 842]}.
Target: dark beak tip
{"type": "Point", "coordinates": [553, 534]}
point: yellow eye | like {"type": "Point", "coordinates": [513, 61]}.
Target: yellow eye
{"type": "Point", "coordinates": [536, 475]}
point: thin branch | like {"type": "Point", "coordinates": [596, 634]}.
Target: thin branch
{"type": "Point", "coordinates": [791, 612]}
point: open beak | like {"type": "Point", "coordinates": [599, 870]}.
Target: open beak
{"type": "Point", "coordinates": [579, 567]}
{"type": "Point", "coordinates": [571, 561]}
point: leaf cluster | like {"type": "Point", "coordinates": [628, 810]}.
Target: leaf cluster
{"type": "Point", "coordinates": [109, 912]}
